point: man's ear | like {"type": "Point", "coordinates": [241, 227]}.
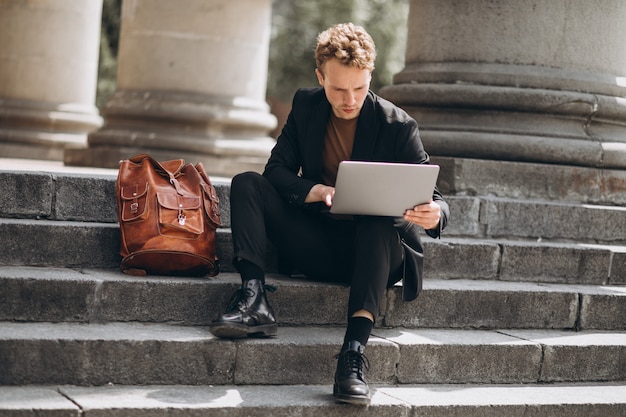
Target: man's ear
{"type": "Point", "coordinates": [320, 76]}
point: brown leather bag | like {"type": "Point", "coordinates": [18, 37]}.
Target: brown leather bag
{"type": "Point", "coordinates": [168, 214]}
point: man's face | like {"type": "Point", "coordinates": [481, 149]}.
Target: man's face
{"type": "Point", "coordinates": [346, 87]}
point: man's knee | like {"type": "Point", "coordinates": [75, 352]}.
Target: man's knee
{"type": "Point", "coordinates": [245, 181]}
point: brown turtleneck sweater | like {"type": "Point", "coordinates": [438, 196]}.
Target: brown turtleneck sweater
{"type": "Point", "coordinates": [338, 144]}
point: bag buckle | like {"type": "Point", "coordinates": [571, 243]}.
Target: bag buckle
{"type": "Point", "coordinates": [181, 217]}
{"type": "Point", "coordinates": [134, 206]}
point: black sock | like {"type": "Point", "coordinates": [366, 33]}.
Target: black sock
{"type": "Point", "coordinates": [249, 271]}
{"type": "Point", "coordinates": [359, 329]}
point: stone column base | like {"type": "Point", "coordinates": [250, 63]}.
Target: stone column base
{"type": "Point", "coordinates": [214, 165]}
{"type": "Point", "coordinates": [516, 123]}
{"type": "Point", "coordinates": [40, 130]}
{"type": "Point", "coordinates": [226, 134]}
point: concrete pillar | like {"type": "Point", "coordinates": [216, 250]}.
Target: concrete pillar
{"type": "Point", "coordinates": [48, 75]}
{"type": "Point", "coordinates": [522, 80]}
{"type": "Point", "coordinates": [191, 84]}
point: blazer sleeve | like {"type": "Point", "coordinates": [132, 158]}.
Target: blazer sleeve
{"type": "Point", "coordinates": [285, 162]}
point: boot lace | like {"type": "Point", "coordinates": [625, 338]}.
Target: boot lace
{"type": "Point", "coordinates": [353, 362]}
{"type": "Point", "coordinates": [240, 300]}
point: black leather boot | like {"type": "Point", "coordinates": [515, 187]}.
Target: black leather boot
{"type": "Point", "coordinates": [350, 385]}
{"type": "Point", "coordinates": [248, 314]}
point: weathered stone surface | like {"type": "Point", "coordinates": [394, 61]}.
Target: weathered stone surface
{"type": "Point", "coordinates": [101, 354]}
{"type": "Point", "coordinates": [306, 357]}
{"type": "Point", "coordinates": [224, 247]}
{"type": "Point", "coordinates": [464, 216]}
{"type": "Point", "coordinates": [445, 356]}
{"type": "Point", "coordinates": [90, 199]}
{"type": "Point", "coordinates": [519, 180]}
{"type": "Point", "coordinates": [76, 244]}
{"type": "Point", "coordinates": [598, 356]}
{"type": "Point", "coordinates": [471, 282]}
{"type": "Point", "coordinates": [449, 257]}
{"type": "Point", "coordinates": [604, 309]}
{"type": "Point", "coordinates": [543, 220]}
{"type": "Point", "coordinates": [96, 245]}
{"type": "Point", "coordinates": [441, 400]}
{"type": "Point", "coordinates": [62, 244]}
{"type": "Point", "coordinates": [301, 301]}
{"type": "Point", "coordinates": [222, 188]}
{"type": "Point", "coordinates": [48, 294]}
{"type": "Point", "coordinates": [512, 400]}
{"type": "Point", "coordinates": [36, 294]}
{"type": "Point", "coordinates": [488, 304]}
{"type": "Point", "coordinates": [467, 259]}
{"type": "Point", "coordinates": [618, 268]}
{"type": "Point", "coordinates": [33, 401]}
{"type": "Point", "coordinates": [561, 263]}
{"type": "Point", "coordinates": [26, 194]}
{"type": "Point", "coordinates": [41, 353]}
{"type": "Point", "coordinates": [135, 354]}
{"type": "Point", "coordinates": [69, 196]}
{"type": "Point", "coordinates": [192, 301]}
{"type": "Point", "coordinates": [230, 400]}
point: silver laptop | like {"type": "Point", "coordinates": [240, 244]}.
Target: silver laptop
{"type": "Point", "coordinates": [381, 188]}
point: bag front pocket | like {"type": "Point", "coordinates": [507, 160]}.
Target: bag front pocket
{"type": "Point", "coordinates": [134, 202]}
{"type": "Point", "coordinates": [179, 215]}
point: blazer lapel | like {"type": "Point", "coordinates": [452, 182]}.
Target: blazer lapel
{"type": "Point", "coordinates": [366, 132]}
{"type": "Point", "coordinates": [314, 145]}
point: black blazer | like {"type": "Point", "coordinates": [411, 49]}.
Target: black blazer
{"type": "Point", "coordinates": [384, 133]}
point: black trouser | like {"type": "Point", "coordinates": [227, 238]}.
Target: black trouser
{"type": "Point", "coordinates": [364, 252]}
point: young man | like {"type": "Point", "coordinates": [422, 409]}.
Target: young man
{"type": "Point", "coordinates": [288, 204]}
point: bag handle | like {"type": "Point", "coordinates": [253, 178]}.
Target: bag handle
{"type": "Point", "coordinates": [171, 169]}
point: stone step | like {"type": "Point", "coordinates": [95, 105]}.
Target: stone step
{"type": "Point", "coordinates": [163, 354]}
{"type": "Point", "coordinates": [531, 181]}
{"type": "Point", "coordinates": [42, 180]}
{"type": "Point", "coordinates": [496, 217]}
{"type": "Point", "coordinates": [70, 196]}
{"type": "Point", "coordinates": [525, 260]}
{"type": "Point", "coordinates": [493, 217]}
{"type": "Point", "coordinates": [57, 295]}
{"type": "Point", "coordinates": [96, 245]}
{"type": "Point", "coordinates": [91, 198]}
{"type": "Point", "coordinates": [554, 400]}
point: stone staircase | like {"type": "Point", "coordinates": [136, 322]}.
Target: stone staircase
{"type": "Point", "coordinates": [523, 311]}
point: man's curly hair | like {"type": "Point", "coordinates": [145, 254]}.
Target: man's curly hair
{"type": "Point", "coordinates": [349, 43]}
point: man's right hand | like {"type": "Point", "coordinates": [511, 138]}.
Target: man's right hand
{"type": "Point", "coordinates": [321, 192]}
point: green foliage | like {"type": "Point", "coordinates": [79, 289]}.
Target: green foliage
{"type": "Point", "coordinates": [109, 40]}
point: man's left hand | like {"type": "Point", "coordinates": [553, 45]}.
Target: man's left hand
{"type": "Point", "coordinates": [425, 215]}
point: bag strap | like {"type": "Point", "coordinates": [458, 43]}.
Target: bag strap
{"type": "Point", "coordinates": [213, 211]}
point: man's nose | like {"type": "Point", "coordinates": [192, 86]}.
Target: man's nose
{"type": "Point", "coordinates": [349, 98]}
